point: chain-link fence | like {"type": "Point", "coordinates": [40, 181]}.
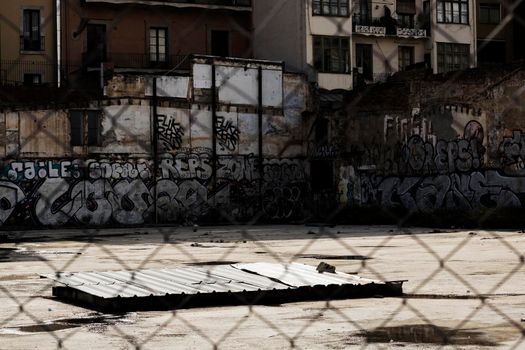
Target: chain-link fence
{"type": "Point", "coordinates": [241, 133]}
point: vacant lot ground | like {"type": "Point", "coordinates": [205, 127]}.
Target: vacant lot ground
{"type": "Point", "coordinates": [447, 272]}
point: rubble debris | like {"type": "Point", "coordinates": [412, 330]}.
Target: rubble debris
{"type": "Point", "coordinates": [324, 267]}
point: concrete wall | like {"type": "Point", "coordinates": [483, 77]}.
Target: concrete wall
{"type": "Point", "coordinates": [46, 182]}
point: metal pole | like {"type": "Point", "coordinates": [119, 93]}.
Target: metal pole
{"type": "Point", "coordinates": [214, 126]}
{"type": "Point", "coordinates": [260, 117]}
{"type": "Point", "coordinates": [155, 146]}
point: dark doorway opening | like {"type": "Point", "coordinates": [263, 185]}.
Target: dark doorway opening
{"type": "Point", "coordinates": [220, 43]}
{"type": "Point", "coordinates": [96, 45]}
{"type": "Point", "coordinates": [363, 54]}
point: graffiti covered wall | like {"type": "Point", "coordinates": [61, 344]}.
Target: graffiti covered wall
{"type": "Point", "coordinates": [434, 154]}
{"type": "Point", "coordinates": [103, 192]}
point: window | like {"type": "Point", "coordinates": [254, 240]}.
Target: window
{"type": "Point", "coordinates": [489, 13]}
{"type": "Point", "coordinates": [452, 57]}
{"type": "Point", "coordinates": [157, 44]}
{"type": "Point", "coordinates": [406, 57]}
{"type": "Point", "coordinates": [31, 39]}
{"type": "Point", "coordinates": [32, 79]}
{"type": "Point", "coordinates": [452, 11]}
{"type": "Point", "coordinates": [405, 20]}
{"type": "Point", "coordinates": [332, 54]}
{"type": "Point", "coordinates": [85, 127]}
{"type": "Point", "coordinates": [330, 7]}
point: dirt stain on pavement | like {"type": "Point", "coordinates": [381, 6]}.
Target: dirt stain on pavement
{"type": "Point", "coordinates": [94, 321]}
{"type": "Point", "coordinates": [16, 255]}
{"type": "Point", "coordinates": [212, 263]}
{"type": "Point", "coordinates": [333, 257]}
{"type": "Point", "coordinates": [428, 334]}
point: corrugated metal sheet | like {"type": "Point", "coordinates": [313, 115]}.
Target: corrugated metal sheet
{"type": "Point", "coordinates": [299, 275]}
{"type": "Point", "coordinates": [195, 280]}
{"type": "Point", "coordinates": [186, 280]}
{"type": "Point", "coordinates": [209, 285]}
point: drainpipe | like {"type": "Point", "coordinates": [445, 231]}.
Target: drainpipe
{"type": "Point", "coordinates": [260, 117]}
{"type": "Point", "coordinates": [155, 147]}
{"type": "Point", "coordinates": [214, 126]}
{"type": "Point", "coordinates": [58, 31]}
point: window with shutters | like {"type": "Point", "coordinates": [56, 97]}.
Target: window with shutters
{"type": "Point", "coordinates": [406, 57]}
{"type": "Point", "coordinates": [332, 54]}
{"type": "Point", "coordinates": [489, 13]}
{"type": "Point", "coordinates": [85, 127]}
{"type": "Point", "coordinates": [31, 39]}
{"type": "Point", "coordinates": [158, 44]}
{"type": "Point", "coordinates": [330, 8]}
{"type": "Point", "coordinates": [453, 12]}
{"type": "Point", "coordinates": [452, 57]}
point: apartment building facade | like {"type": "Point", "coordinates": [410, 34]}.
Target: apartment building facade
{"type": "Point", "coordinates": [151, 35]}
{"type": "Point", "coordinates": [339, 43]}
{"type": "Point", "coordinates": [28, 50]}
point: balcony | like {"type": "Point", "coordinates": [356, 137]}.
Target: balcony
{"type": "Point", "coordinates": [368, 26]}
{"type": "Point", "coordinates": [30, 44]}
{"type": "Point", "coordinates": [228, 4]}
{"type": "Point", "coordinates": [382, 26]}
{"type": "Point", "coordinates": [142, 62]}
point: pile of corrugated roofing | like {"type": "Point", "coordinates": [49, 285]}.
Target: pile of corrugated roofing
{"type": "Point", "coordinates": [236, 284]}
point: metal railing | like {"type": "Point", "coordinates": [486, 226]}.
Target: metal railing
{"type": "Point", "coordinates": [219, 2]}
{"type": "Point", "coordinates": [139, 61]}
{"type": "Point", "coordinates": [29, 44]}
{"type": "Point", "coordinates": [381, 26]}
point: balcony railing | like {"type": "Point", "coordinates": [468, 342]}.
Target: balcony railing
{"type": "Point", "coordinates": [411, 32]}
{"type": "Point", "coordinates": [228, 3]}
{"type": "Point", "coordinates": [139, 61]}
{"type": "Point", "coordinates": [218, 2]}
{"type": "Point", "coordinates": [380, 26]}
{"type": "Point", "coordinates": [30, 44]}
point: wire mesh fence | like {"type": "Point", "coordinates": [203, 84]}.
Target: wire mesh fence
{"type": "Point", "coordinates": [172, 158]}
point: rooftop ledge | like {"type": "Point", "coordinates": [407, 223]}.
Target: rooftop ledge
{"type": "Point", "coordinates": [236, 5]}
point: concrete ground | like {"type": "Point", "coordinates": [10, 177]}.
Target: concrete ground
{"type": "Point", "coordinates": [446, 273]}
